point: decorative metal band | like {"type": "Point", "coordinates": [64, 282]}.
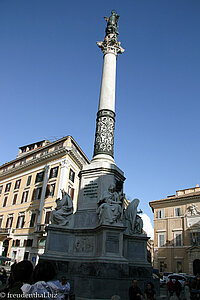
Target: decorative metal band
{"type": "Point", "coordinates": [104, 136]}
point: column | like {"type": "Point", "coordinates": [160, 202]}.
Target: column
{"type": "Point", "coordinates": [105, 123]}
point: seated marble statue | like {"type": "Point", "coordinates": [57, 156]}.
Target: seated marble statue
{"type": "Point", "coordinates": [63, 211]}
{"type": "Point", "coordinates": [110, 206]}
{"type": "Point", "coordinates": [133, 222]}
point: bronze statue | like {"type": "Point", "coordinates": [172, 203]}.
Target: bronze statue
{"type": "Point", "coordinates": [112, 23]}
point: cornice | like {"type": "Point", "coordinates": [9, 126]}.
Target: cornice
{"type": "Point", "coordinates": [185, 199]}
{"type": "Point", "coordinates": [34, 162]}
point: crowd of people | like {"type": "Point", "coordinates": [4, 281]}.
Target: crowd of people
{"type": "Point", "coordinates": [177, 291]}
{"type": "Point", "coordinates": [26, 282]}
{"type": "Point", "coordinates": [135, 292]}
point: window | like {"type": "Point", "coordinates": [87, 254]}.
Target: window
{"type": "Point", "coordinates": [162, 266]}
{"type": "Point", "coordinates": [1, 188]}
{"type": "Point", "coordinates": [20, 220]}
{"type": "Point", "coordinates": [9, 221]}
{"type": "Point", "coordinates": [26, 255]}
{"type": "Point", "coordinates": [28, 243]}
{"type": "Point", "coordinates": [47, 217]}
{"type": "Point", "coordinates": [179, 266]}
{"type": "Point", "coordinates": [28, 180]}
{"type": "Point", "coordinates": [7, 189]}
{"type": "Point", "coordinates": [37, 193]}
{"type": "Point", "coordinates": [17, 184]}
{"type": "Point", "coordinates": [5, 201]}
{"type": "Point", "coordinates": [71, 191]}
{"type": "Point", "coordinates": [161, 240]}
{"type": "Point", "coordinates": [32, 221]}
{"type": "Point", "coordinates": [14, 254]}
{"type": "Point", "coordinates": [1, 220]}
{"type": "Point", "coordinates": [42, 243]}
{"type": "Point", "coordinates": [39, 177]}
{"type": "Point", "coordinates": [71, 175]}
{"type": "Point", "coordinates": [5, 169]}
{"type": "Point", "coordinates": [13, 165]}
{"type": "Point", "coordinates": [160, 213]}
{"type": "Point", "coordinates": [23, 161]}
{"type": "Point", "coordinates": [53, 172]}
{"type": "Point", "coordinates": [50, 190]}
{"type": "Point", "coordinates": [14, 199]}
{"type": "Point", "coordinates": [195, 238]}
{"type": "Point", "coordinates": [24, 197]}
{"type": "Point", "coordinates": [177, 212]}
{"type": "Point", "coordinates": [178, 239]}
{"type": "Point", "coordinates": [17, 243]}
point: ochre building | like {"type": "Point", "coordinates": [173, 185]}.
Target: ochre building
{"type": "Point", "coordinates": [29, 187]}
{"type": "Point", "coordinates": [177, 232]}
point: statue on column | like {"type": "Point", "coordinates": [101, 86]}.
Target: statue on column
{"type": "Point", "coordinates": [133, 221]}
{"type": "Point", "coordinates": [63, 211]}
{"type": "Point", "coordinates": [112, 23]}
{"type": "Point", "coordinates": [110, 206]}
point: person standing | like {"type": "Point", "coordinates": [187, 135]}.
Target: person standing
{"type": "Point", "coordinates": [149, 293]}
{"type": "Point", "coordinates": [170, 286]}
{"type": "Point", "coordinates": [134, 291]}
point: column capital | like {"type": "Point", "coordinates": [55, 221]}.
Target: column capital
{"type": "Point", "coordinates": [110, 44]}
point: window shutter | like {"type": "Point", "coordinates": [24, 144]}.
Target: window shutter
{"type": "Point", "coordinates": [22, 224]}
{"type": "Point", "coordinates": [7, 223]}
{"type": "Point", "coordinates": [39, 193]}
{"type": "Point", "coordinates": [72, 193]}
{"type": "Point", "coordinates": [33, 196]}
{"type": "Point", "coordinates": [26, 196]}
{"type": "Point", "coordinates": [17, 226]}
{"type": "Point", "coordinates": [47, 190]}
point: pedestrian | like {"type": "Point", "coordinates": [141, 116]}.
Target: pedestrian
{"type": "Point", "coordinates": [22, 274]}
{"type": "Point", "coordinates": [64, 282]}
{"type": "Point", "coordinates": [134, 291]}
{"type": "Point", "coordinates": [149, 292]}
{"type": "Point", "coordinates": [170, 287]}
{"type": "Point", "coordinates": [177, 288]}
{"type": "Point", "coordinates": [198, 281]}
{"type": "Point", "coordinates": [45, 283]}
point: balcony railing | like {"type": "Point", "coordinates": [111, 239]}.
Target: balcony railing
{"type": "Point", "coordinates": [40, 228]}
{"type": "Point", "coordinates": [6, 231]}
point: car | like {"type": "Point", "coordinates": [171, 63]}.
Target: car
{"type": "Point", "coordinates": [181, 278]}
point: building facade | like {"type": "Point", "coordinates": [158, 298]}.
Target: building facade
{"type": "Point", "coordinates": [29, 187]}
{"type": "Point", "coordinates": [177, 232]}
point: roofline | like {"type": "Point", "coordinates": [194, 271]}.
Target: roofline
{"type": "Point", "coordinates": [43, 147]}
{"type": "Point", "coordinates": [173, 199]}
{"type": "Point", "coordinates": [34, 143]}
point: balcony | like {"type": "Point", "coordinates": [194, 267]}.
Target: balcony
{"type": "Point", "coordinates": [6, 231]}
{"type": "Point", "coordinates": [40, 228]}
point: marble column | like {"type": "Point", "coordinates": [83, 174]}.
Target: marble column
{"type": "Point", "coordinates": [105, 123]}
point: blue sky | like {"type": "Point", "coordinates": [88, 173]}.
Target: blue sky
{"type": "Point", "coordinates": [50, 75]}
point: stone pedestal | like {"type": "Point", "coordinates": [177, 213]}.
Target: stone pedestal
{"type": "Point", "coordinates": [98, 262]}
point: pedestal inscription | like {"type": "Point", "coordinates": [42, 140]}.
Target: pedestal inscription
{"type": "Point", "coordinates": [58, 243]}
{"type": "Point", "coordinates": [136, 250]}
{"type": "Point", "coordinates": [112, 243]}
{"type": "Point", "coordinates": [91, 190]}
